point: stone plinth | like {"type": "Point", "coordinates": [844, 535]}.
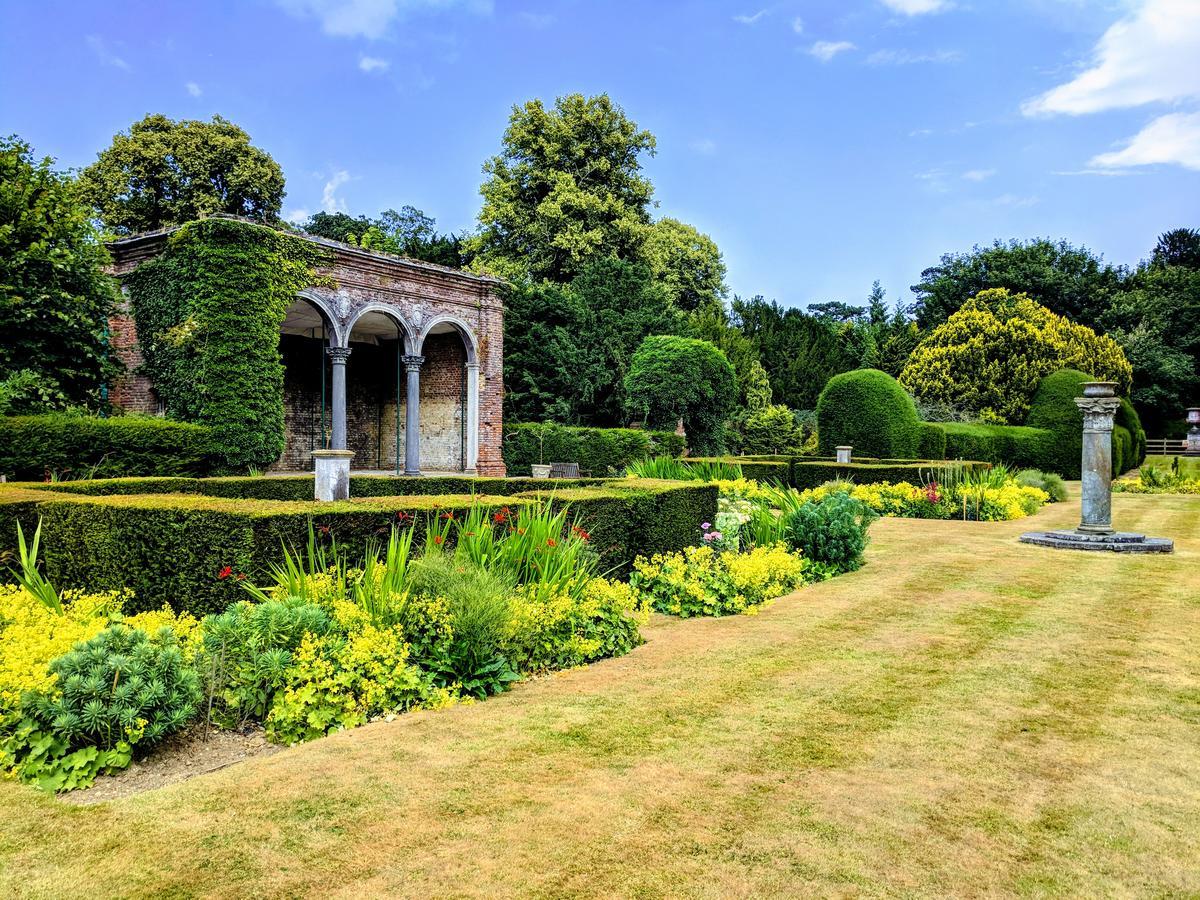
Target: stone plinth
{"type": "Point", "coordinates": [332, 471]}
{"type": "Point", "coordinates": [1116, 541]}
{"type": "Point", "coordinates": [843, 454]}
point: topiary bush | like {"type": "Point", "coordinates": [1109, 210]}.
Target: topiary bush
{"type": "Point", "coordinates": [34, 447]}
{"type": "Point", "coordinates": [595, 449]}
{"type": "Point", "coordinates": [870, 411]}
{"type": "Point", "coordinates": [1053, 409]}
{"type": "Point", "coordinates": [991, 355]}
{"type": "Point", "coordinates": [1128, 418]}
{"type": "Point", "coordinates": [1014, 445]}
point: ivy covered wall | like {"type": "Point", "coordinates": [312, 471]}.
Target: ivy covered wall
{"type": "Point", "coordinates": [208, 312]}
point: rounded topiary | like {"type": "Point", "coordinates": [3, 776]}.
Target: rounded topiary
{"type": "Point", "coordinates": [1127, 417]}
{"type": "Point", "coordinates": [1053, 408]}
{"type": "Point", "coordinates": [868, 410]}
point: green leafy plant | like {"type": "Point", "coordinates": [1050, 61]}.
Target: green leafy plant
{"type": "Point", "coordinates": [1052, 484]}
{"type": "Point", "coordinates": [28, 575]}
{"type": "Point", "coordinates": [831, 531]}
{"type": "Point", "coordinates": [120, 691]}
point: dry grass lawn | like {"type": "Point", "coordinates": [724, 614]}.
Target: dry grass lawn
{"type": "Point", "coordinates": [966, 715]}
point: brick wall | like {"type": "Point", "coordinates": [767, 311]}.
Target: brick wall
{"type": "Point", "coordinates": [130, 391]}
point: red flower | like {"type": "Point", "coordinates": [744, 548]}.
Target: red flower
{"type": "Point", "coordinates": [241, 576]}
{"type": "Point", "coordinates": [520, 531]}
{"type": "Point", "coordinates": [324, 529]}
{"type": "Point", "coordinates": [439, 540]}
{"type": "Point", "coordinates": [448, 516]}
{"type": "Point", "coordinates": [551, 542]}
{"type": "Point", "coordinates": [225, 572]}
{"type": "Point", "coordinates": [403, 516]}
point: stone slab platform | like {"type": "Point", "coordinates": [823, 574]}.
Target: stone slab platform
{"type": "Point", "coordinates": [1117, 542]}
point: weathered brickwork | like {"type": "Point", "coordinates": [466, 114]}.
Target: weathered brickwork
{"type": "Point", "coordinates": [449, 317]}
{"type": "Point", "coordinates": [131, 391]}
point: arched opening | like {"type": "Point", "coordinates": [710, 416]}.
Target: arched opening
{"type": "Point", "coordinates": [306, 331]}
{"type": "Point", "coordinates": [449, 397]}
{"type": "Point", "coordinates": [375, 391]}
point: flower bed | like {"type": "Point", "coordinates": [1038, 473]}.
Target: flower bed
{"type": "Point", "coordinates": [1154, 480]}
{"type": "Point", "coordinates": [322, 644]}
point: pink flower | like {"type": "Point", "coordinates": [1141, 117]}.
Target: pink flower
{"type": "Point", "coordinates": [706, 525]}
{"type": "Point", "coordinates": [709, 536]}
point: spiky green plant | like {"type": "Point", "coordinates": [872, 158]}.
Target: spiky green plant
{"type": "Point", "coordinates": [28, 576]}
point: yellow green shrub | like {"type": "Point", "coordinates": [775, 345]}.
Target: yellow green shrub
{"type": "Point", "coordinates": [991, 354]}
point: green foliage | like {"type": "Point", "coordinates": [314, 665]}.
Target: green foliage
{"type": "Point", "coordinates": [1127, 417]}
{"type": "Point", "coordinates": [1053, 409]}
{"type": "Point", "coordinates": [800, 352]}
{"type": "Point", "coordinates": [208, 311]}
{"type": "Point", "coordinates": [1052, 484]}
{"type": "Point", "coordinates": [566, 187]}
{"type": "Point", "coordinates": [567, 348]}
{"type": "Point", "coordinates": [162, 172]}
{"type": "Point", "coordinates": [247, 651]}
{"type": "Point", "coordinates": [408, 233]}
{"type": "Point", "coordinates": [1178, 247]}
{"type": "Point", "coordinates": [118, 692]}
{"type": "Point", "coordinates": [597, 450]}
{"type": "Point", "coordinates": [28, 575]}
{"type": "Point", "coordinates": [711, 322]}
{"type": "Point", "coordinates": [1013, 445]}
{"type": "Point", "coordinates": [932, 443]}
{"type": "Point", "coordinates": [868, 410]}
{"type": "Point", "coordinates": [831, 531]}
{"type": "Point", "coordinates": [768, 429]}
{"type": "Point", "coordinates": [55, 299]}
{"type": "Point", "coordinates": [674, 378]}
{"type": "Point", "coordinates": [1069, 281]}
{"type": "Point", "coordinates": [668, 468]}
{"type": "Point", "coordinates": [991, 354]}
{"type": "Point", "coordinates": [72, 446]}
{"type": "Point", "coordinates": [812, 473]}
{"type": "Point", "coordinates": [687, 262]}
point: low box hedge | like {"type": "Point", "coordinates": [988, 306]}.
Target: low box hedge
{"type": "Point", "coordinates": [171, 546]}
{"type": "Point", "coordinates": [31, 446]}
{"type": "Point", "coordinates": [597, 450]}
{"type": "Point", "coordinates": [808, 474]}
{"type": "Point", "coordinates": [1019, 446]}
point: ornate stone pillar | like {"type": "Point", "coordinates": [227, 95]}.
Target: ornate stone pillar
{"type": "Point", "coordinates": [1098, 404]}
{"type": "Point", "coordinates": [471, 463]}
{"type": "Point", "coordinates": [412, 416]}
{"type": "Point", "coordinates": [337, 387]}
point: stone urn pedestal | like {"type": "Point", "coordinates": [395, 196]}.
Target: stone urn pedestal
{"type": "Point", "coordinates": [1095, 532]}
{"type": "Point", "coordinates": [331, 469]}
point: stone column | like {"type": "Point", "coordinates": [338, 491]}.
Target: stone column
{"type": "Point", "coordinates": [412, 416]}
{"type": "Point", "coordinates": [337, 387]}
{"type": "Point", "coordinates": [472, 460]}
{"type": "Point", "coordinates": [1098, 404]}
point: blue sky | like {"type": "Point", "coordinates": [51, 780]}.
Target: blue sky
{"type": "Point", "coordinates": [821, 144]}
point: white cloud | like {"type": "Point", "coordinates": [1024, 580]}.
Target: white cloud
{"type": "Point", "coordinates": [104, 54]}
{"type": "Point", "coordinates": [1151, 56]}
{"type": "Point", "coordinates": [752, 18]}
{"type": "Point", "coordinates": [704, 146]}
{"type": "Point", "coordinates": [371, 18]}
{"type": "Point", "coordinates": [916, 7]}
{"type": "Point", "coordinates": [373, 64]}
{"type": "Point", "coordinates": [827, 50]}
{"type": "Point", "coordinates": [920, 132]}
{"type": "Point", "coordinates": [193, 89]}
{"type": "Point", "coordinates": [297, 216]}
{"type": "Point", "coordinates": [1173, 138]}
{"type": "Point", "coordinates": [798, 25]}
{"type": "Point", "coordinates": [330, 202]}
{"type": "Point", "coordinates": [907, 58]}
{"type": "Point", "coordinates": [978, 174]}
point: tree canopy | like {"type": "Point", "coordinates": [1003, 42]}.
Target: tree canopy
{"type": "Point", "coordinates": [566, 187]}
{"type": "Point", "coordinates": [407, 232]}
{"type": "Point", "coordinates": [687, 262]}
{"type": "Point", "coordinates": [55, 299]}
{"type": "Point", "coordinates": [162, 172]}
{"type": "Point", "coordinates": [1067, 280]}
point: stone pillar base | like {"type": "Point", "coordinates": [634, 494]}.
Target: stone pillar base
{"type": "Point", "coordinates": [843, 454]}
{"type": "Point", "coordinates": [332, 474]}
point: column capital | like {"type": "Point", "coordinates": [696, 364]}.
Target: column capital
{"type": "Point", "coordinates": [338, 355]}
{"type": "Point", "coordinates": [413, 363]}
{"type": "Point", "coordinates": [473, 365]}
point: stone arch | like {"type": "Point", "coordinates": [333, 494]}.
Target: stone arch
{"type": "Point", "coordinates": [464, 331]}
{"type": "Point", "coordinates": [338, 336]}
{"type": "Point", "coordinates": [411, 340]}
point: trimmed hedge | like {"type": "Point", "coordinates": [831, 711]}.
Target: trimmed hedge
{"type": "Point", "coordinates": [31, 446]}
{"type": "Point", "coordinates": [595, 449]}
{"type": "Point", "coordinates": [1054, 409]}
{"type": "Point", "coordinates": [868, 410]}
{"type": "Point", "coordinates": [813, 474]}
{"type": "Point", "coordinates": [1018, 446]}
{"type": "Point", "coordinates": [1128, 418]}
{"type": "Point", "coordinates": [171, 547]}
{"type": "Point", "coordinates": [932, 442]}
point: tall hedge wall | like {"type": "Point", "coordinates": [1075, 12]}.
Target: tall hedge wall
{"type": "Point", "coordinates": [33, 446]}
{"type": "Point", "coordinates": [595, 449]}
{"type": "Point", "coordinates": [870, 411]}
{"type": "Point", "coordinates": [208, 311]}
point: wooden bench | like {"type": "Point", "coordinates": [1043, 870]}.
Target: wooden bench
{"type": "Point", "coordinates": [564, 470]}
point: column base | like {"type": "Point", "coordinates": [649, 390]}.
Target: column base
{"type": "Point", "coordinates": [331, 474]}
{"type": "Point", "coordinates": [412, 473]}
{"type": "Point", "coordinates": [1095, 529]}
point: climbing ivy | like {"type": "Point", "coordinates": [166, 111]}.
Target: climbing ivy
{"type": "Point", "coordinates": [208, 311]}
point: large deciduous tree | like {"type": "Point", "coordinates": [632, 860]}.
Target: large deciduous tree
{"type": "Point", "coordinates": [1070, 281]}
{"type": "Point", "coordinates": [407, 232]}
{"type": "Point", "coordinates": [566, 187]}
{"type": "Point", "coordinates": [687, 262]}
{"type": "Point", "coordinates": [673, 378]}
{"type": "Point", "coordinates": [162, 172]}
{"type": "Point", "coordinates": [55, 299]}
